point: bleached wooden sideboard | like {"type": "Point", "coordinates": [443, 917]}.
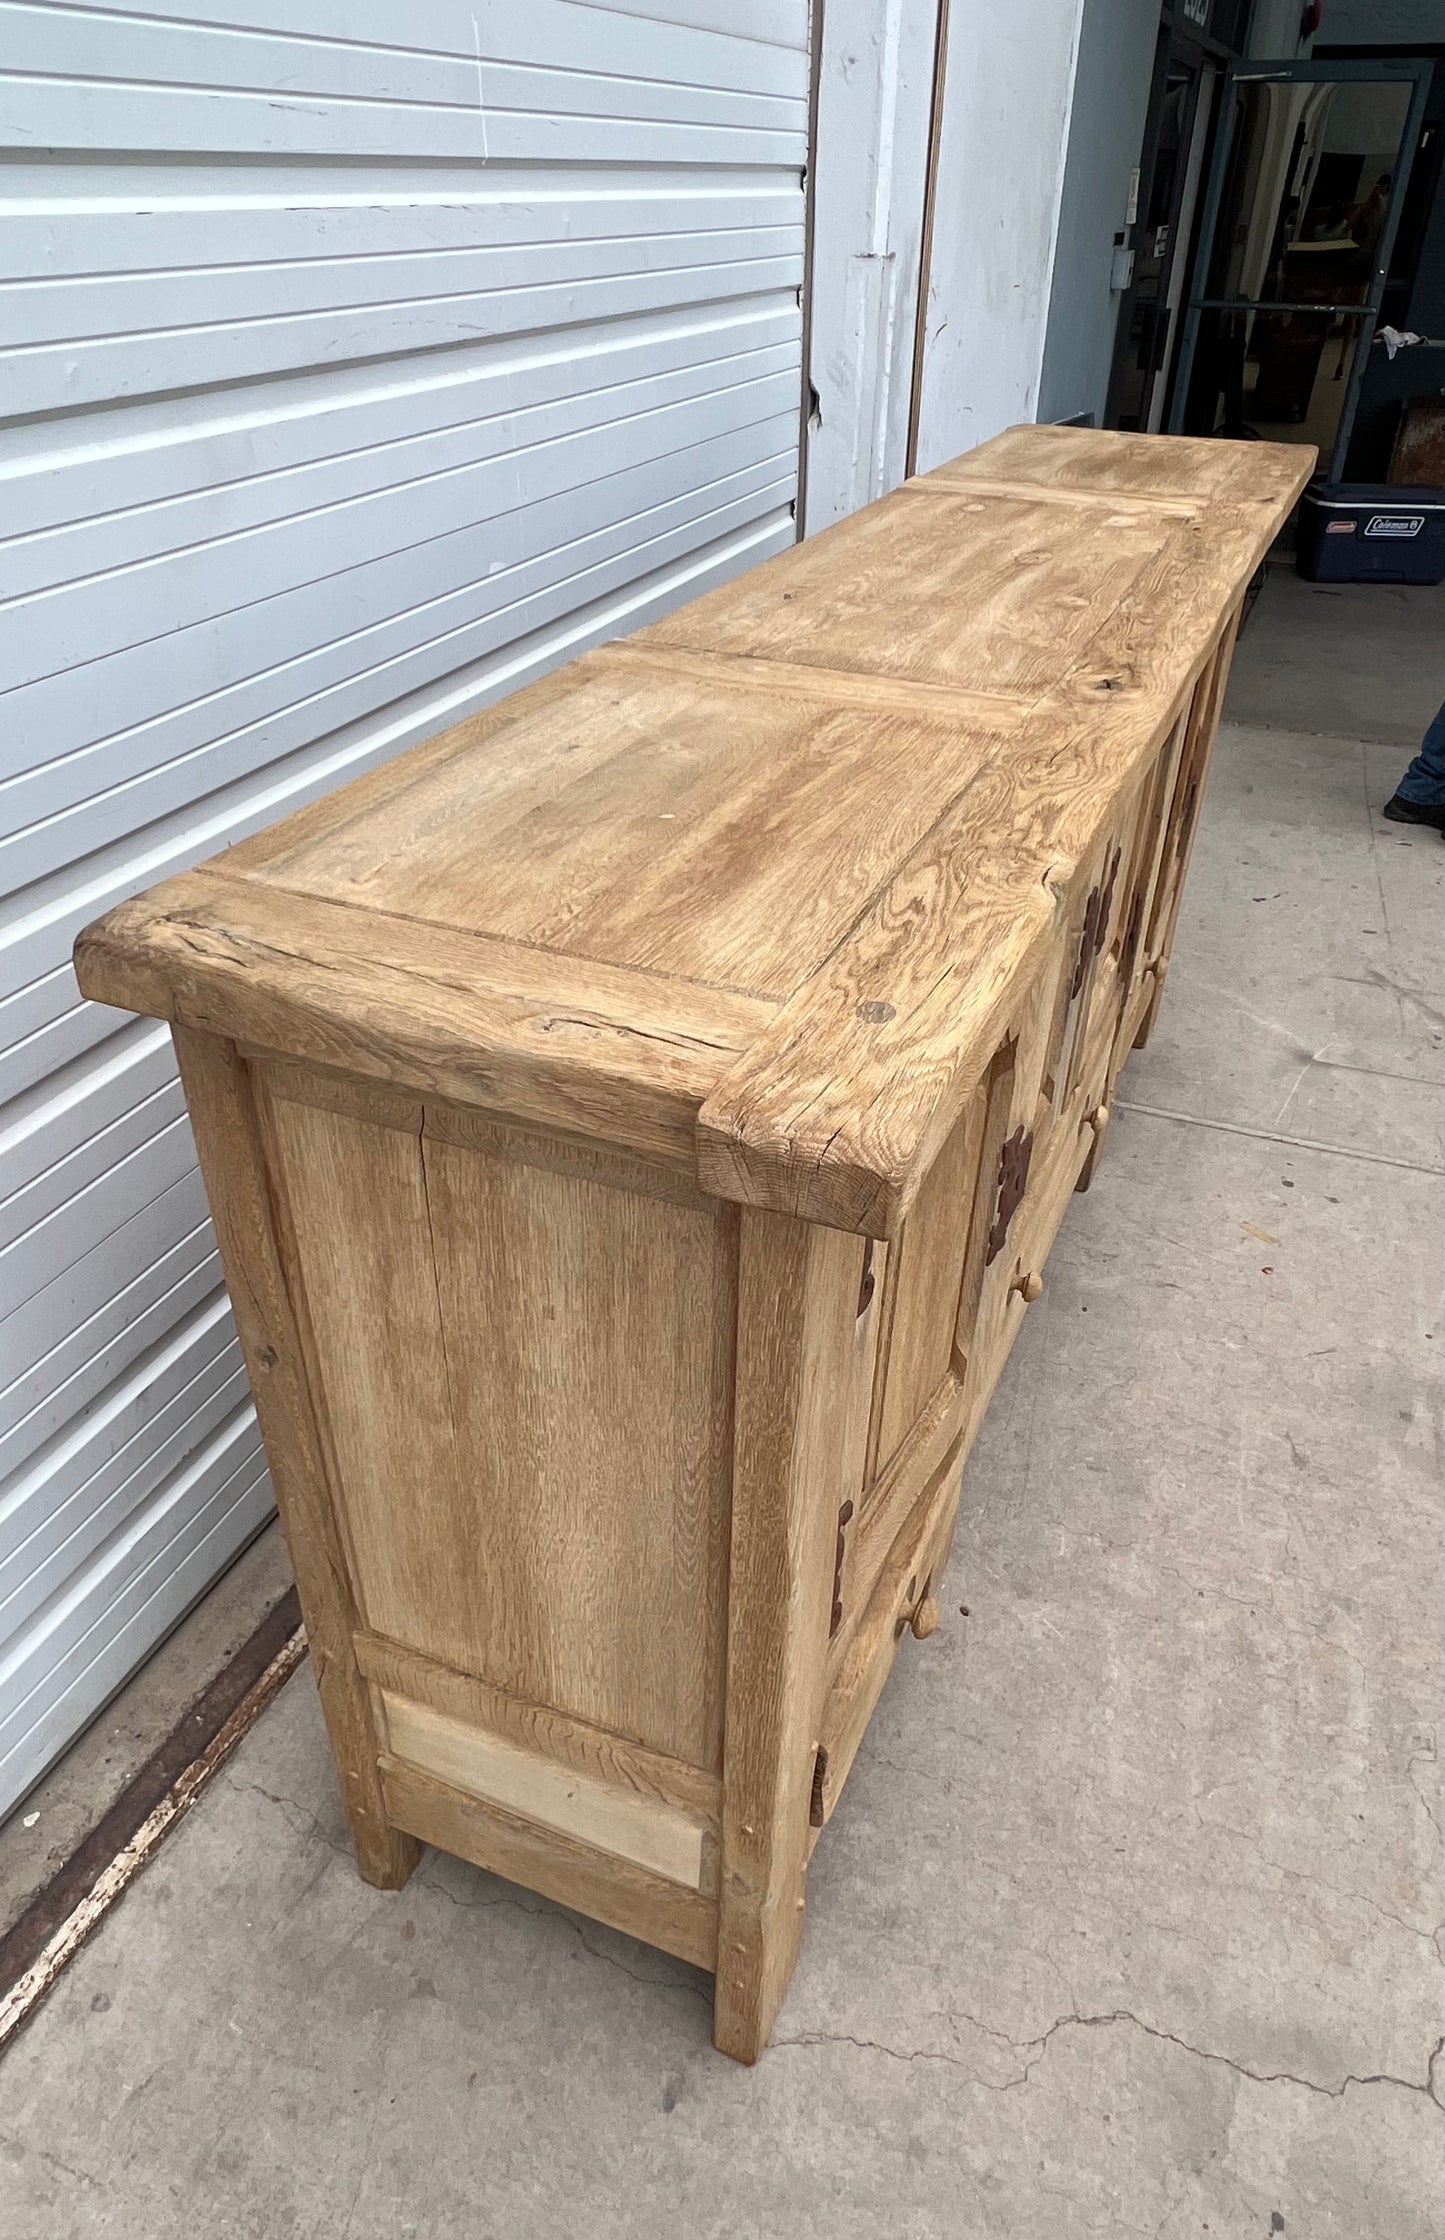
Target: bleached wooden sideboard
{"type": "Point", "coordinates": [635, 1123]}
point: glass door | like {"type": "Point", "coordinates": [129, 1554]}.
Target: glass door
{"type": "Point", "coordinates": [1299, 218]}
{"type": "Point", "coordinates": [1168, 198]}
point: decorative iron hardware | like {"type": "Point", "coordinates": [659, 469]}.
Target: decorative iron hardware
{"type": "Point", "coordinates": [1132, 935]}
{"type": "Point", "coordinates": [867, 1280]}
{"type": "Point", "coordinates": [1186, 816]}
{"type": "Point", "coordinates": [1097, 911]}
{"type": "Point", "coordinates": [845, 1518]}
{"type": "Point", "coordinates": [1013, 1177]}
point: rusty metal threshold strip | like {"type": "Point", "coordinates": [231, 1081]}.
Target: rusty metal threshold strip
{"type": "Point", "coordinates": [37, 1949]}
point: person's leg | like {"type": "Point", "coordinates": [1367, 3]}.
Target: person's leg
{"type": "Point", "coordinates": [1419, 798]}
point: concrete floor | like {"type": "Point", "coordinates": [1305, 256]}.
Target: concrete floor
{"type": "Point", "coordinates": [1352, 660]}
{"type": "Point", "coordinates": [60, 1811]}
{"type": "Point", "coordinates": [1129, 1920]}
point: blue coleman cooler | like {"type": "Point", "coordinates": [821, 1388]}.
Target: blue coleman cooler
{"type": "Point", "coordinates": [1371, 532]}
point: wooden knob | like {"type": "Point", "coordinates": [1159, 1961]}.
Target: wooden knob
{"type": "Point", "coordinates": [1099, 1120]}
{"type": "Point", "coordinates": [924, 1620]}
{"type": "Point", "coordinates": [1029, 1287]}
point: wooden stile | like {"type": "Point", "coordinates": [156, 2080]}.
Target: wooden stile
{"type": "Point", "coordinates": [635, 1124]}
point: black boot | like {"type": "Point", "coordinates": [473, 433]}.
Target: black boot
{"type": "Point", "coordinates": [1400, 811]}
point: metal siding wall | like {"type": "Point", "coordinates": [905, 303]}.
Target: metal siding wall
{"type": "Point", "coordinates": [348, 383]}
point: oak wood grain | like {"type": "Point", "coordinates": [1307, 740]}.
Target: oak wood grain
{"type": "Point", "coordinates": [660, 1836]}
{"type": "Point", "coordinates": [625, 1057]}
{"type": "Point", "coordinates": [839, 1107]}
{"type": "Point", "coordinates": [925, 1277]}
{"type": "Point", "coordinates": [753, 882]}
{"type": "Point", "coordinates": [911, 1565]}
{"type": "Point", "coordinates": [966, 482]}
{"type": "Point", "coordinates": [1170, 467]}
{"type": "Point", "coordinates": [537, 1472]}
{"type": "Point", "coordinates": [998, 596]}
{"type": "Point", "coordinates": [575, 1874]}
{"type": "Point", "coordinates": [595, 1751]}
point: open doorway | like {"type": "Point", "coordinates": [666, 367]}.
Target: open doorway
{"type": "Point", "coordinates": [1296, 232]}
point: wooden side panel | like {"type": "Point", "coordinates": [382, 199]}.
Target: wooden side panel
{"type": "Point", "coordinates": [355, 1205]}
{"type": "Point", "coordinates": [798, 1295]}
{"type": "Point", "coordinates": [661, 1837]}
{"type": "Point", "coordinates": [610, 1889]}
{"type": "Point", "coordinates": [1145, 856]}
{"type": "Point", "coordinates": [1086, 974]}
{"type": "Point", "coordinates": [528, 1377]}
{"type": "Point", "coordinates": [590, 1348]}
{"type": "Point", "coordinates": [857, 1426]}
{"type": "Point", "coordinates": [539, 1730]}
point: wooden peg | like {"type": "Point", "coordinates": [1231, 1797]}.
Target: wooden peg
{"type": "Point", "coordinates": [1029, 1287]}
{"type": "Point", "coordinates": [1098, 1121]}
{"type": "Point", "coordinates": [924, 1620]}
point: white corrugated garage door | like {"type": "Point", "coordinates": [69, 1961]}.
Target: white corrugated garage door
{"type": "Point", "coordinates": [360, 362]}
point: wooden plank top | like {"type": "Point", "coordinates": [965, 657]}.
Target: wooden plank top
{"type": "Point", "coordinates": [749, 888]}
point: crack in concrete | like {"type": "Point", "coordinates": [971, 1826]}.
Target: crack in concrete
{"type": "Point", "coordinates": [19, 2148]}
{"type": "Point", "coordinates": [1036, 2049]}
{"type": "Point", "coordinates": [1301, 1874]}
{"type": "Point", "coordinates": [1425, 1758]}
{"type": "Point", "coordinates": [296, 1816]}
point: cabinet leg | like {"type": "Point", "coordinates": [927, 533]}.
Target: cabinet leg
{"type": "Point", "coordinates": [385, 1858]}
{"type": "Point", "coordinates": [229, 1139]}
{"type": "Point", "coordinates": [797, 1315]}
{"type": "Point", "coordinates": [1146, 1024]}
{"type": "Point", "coordinates": [753, 1977]}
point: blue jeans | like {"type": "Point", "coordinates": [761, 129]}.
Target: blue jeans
{"type": "Point", "coordinates": [1424, 781]}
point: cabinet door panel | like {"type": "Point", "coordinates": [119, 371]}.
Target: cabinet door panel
{"type": "Point", "coordinates": [925, 1279]}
